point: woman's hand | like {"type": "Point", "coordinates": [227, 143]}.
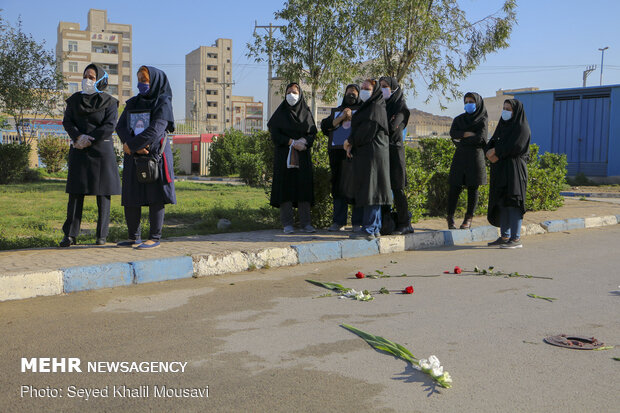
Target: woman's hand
{"type": "Point", "coordinates": [491, 156]}
{"type": "Point", "coordinates": [126, 149]}
{"type": "Point", "coordinates": [346, 145]}
{"type": "Point", "coordinates": [142, 151]}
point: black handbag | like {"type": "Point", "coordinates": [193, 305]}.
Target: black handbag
{"type": "Point", "coordinates": [147, 166]}
{"type": "Point", "coordinates": [346, 184]}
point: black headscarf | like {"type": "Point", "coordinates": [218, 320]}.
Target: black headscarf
{"type": "Point", "coordinates": [355, 105]}
{"type": "Point", "coordinates": [467, 121]}
{"type": "Point", "coordinates": [517, 127]}
{"type": "Point", "coordinates": [83, 103]}
{"type": "Point", "coordinates": [396, 102]}
{"type": "Point", "coordinates": [296, 119]}
{"type": "Point", "coordinates": [158, 99]}
{"type": "Point", "coordinates": [373, 109]}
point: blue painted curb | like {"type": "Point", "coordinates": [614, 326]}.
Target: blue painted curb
{"type": "Point", "coordinates": [318, 252]}
{"type": "Point", "coordinates": [97, 276]}
{"type": "Point", "coordinates": [359, 248]}
{"type": "Point", "coordinates": [457, 237]}
{"type": "Point", "coordinates": [555, 226]}
{"type": "Point", "coordinates": [575, 223]}
{"type": "Point", "coordinates": [163, 269]}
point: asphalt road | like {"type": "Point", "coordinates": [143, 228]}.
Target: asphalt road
{"type": "Point", "coordinates": [262, 342]}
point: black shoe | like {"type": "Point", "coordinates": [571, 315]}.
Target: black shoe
{"type": "Point", "coordinates": [67, 242]}
{"type": "Point", "coordinates": [100, 241]}
{"type": "Point", "coordinates": [450, 220]}
{"type": "Point", "coordinates": [408, 229]}
{"type": "Point", "coordinates": [511, 244]}
{"type": "Point", "coordinates": [363, 235]}
{"type": "Point", "coordinates": [499, 241]}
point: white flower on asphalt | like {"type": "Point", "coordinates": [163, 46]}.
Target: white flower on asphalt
{"type": "Point", "coordinates": [351, 293]}
{"type": "Point", "coordinates": [447, 378]}
{"type": "Point", "coordinates": [359, 295]}
{"type": "Point", "coordinates": [434, 361]}
{"type": "Point", "coordinates": [437, 372]}
{"type": "Point", "coordinates": [424, 364]}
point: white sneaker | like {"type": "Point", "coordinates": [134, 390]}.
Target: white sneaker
{"type": "Point", "coordinates": [308, 228]}
{"type": "Point", "coordinates": [289, 229]}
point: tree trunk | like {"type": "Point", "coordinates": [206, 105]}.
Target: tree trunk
{"type": "Point", "coordinates": [314, 108]}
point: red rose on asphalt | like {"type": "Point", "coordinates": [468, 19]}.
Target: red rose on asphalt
{"type": "Point", "coordinates": [408, 290]}
{"type": "Point", "coordinates": [457, 270]}
{"type": "Point", "coordinates": [360, 274]}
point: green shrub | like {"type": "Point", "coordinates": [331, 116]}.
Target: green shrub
{"type": "Point", "coordinates": [323, 202]}
{"type": "Point", "coordinates": [225, 153]}
{"type": "Point", "coordinates": [547, 177]}
{"type": "Point", "coordinates": [13, 162]}
{"type": "Point", "coordinates": [53, 152]}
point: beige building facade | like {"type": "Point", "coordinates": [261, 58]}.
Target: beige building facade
{"type": "Point", "coordinates": [107, 44]}
{"type": "Point", "coordinates": [208, 87]}
{"type": "Point", "coordinates": [495, 104]}
{"type": "Point", "coordinates": [247, 115]}
{"type": "Point", "coordinates": [323, 109]}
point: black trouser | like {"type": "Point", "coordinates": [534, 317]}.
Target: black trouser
{"type": "Point", "coordinates": [156, 221]}
{"type": "Point", "coordinates": [402, 209]}
{"type": "Point", "coordinates": [453, 199]}
{"type": "Point", "coordinates": [71, 227]}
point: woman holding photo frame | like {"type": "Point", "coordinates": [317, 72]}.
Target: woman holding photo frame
{"type": "Point", "coordinates": [337, 126]}
{"type": "Point", "coordinates": [148, 177]}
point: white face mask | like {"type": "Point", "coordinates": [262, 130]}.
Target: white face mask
{"type": "Point", "coordinates": [386, 92]}
{"type": "Point", "coordinates": [506, 114]}
{"type": "Point", "coordinates": [365, 94]}
{"type": "Point", "coordinates": [292, 98]}
{"type": "Point", "coordinates": [88, 86]}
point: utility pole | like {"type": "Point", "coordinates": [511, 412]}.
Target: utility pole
{"type": "Point", "coordinates": [602, 57]}
{"type": "Point", "coordinates": [224, 86]}
{"type": "Point", "coordinates": [270, 29]}
{"type": "Point", "coordinates": [587, 72]}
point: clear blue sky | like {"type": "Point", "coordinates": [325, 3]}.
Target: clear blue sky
{"type": "Point", "coordinates": [550, 47]}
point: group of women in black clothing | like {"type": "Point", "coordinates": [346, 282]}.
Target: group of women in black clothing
{"type": "Point", "coordinates": [90, 119]}
{"type": "Point", "coordinates": [367, 160]}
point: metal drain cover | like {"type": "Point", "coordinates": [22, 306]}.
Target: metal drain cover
{"type": "Point", "coordinates": [574, 342]}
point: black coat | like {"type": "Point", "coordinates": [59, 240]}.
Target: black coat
{"type": "Point", "coordinates": [337, 155]}
{"type": "Point", "coordinates": [92, 170]}
{"type": "Point", "coordinates": [468, 164]}
{"type": "Point", "coordinates": [292, 184]}
{"type": "Point", "coordinates": [398, 116]}
{"type": "Point", "coordinates": [158, 103]}
{"type": "Point", "coordinates": [508, 186]}
{"type": "Point", "coordinates": [371, 154]}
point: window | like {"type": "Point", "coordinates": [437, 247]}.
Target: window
{"type": "Point", "coordinates": [212, 55]}
{"type": "Point", "coordinates": [227, 72]}
{"type": "Point", "coordinates": [227, 60]}
{"type": "Point", "coordinates": [126, 49]}
{"type": "Point", "coordinates": [126, 93]}
{"type": "Point", "coordinates": [110, 68]}
{"type": "Point", "coordinates": [126, 64]}
{"type": "Point", "coordinates": [212, 104]}
{"type": "Point", "coordinates": [125, 35]}
{"type": "Point", "coordinates": [211, 80]}
{"type": "Point", "coordinates": [126, 78]}
{"type": "Point", "coordinates": [73, 46]}
{"type": "Point", "coordinates": [211, 67]}
{"type": "Point", "coordinates": [73, 67]}
{"type": "Point", "coordinates": [73, 87]}
{"type": "Point", "coordinates": [211, 116]}
{"type": "Point", "coordinates": [211, 92]}
{"type": "Point", "coordinates": [228, 48]}
{"type": "Point", "coordinates": [113, 89]}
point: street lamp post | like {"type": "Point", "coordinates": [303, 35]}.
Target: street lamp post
{"type": "Point", "coordinates": [602, 57]}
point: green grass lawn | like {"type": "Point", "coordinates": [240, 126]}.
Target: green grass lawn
{"type": "Point", "coordinates": [32, 214]}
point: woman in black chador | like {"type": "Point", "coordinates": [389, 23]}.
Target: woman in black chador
{"type": "Point", "coordinates": [398, 116]}
{"type": "Point", "coordinates": [469, 134]}
{"type": "Point", "coordinates": [89, 120]}
{"type": "Point", "coordinates": [143, 129]}
{"type": "Point", "coordinates": [508, 151]}
{"type": "Point", "coordinates": [337, 156]}
{"type": "Point", "coordinates": [293, 131]}
{"type": "Point", "coordinates": [368, 145]}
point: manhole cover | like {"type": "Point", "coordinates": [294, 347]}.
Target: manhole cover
{"type": "Point", "coordinates": [574, 342]}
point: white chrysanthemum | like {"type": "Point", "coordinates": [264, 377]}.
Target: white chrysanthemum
{"type": "Point", "coordinates": [424, 364]}
{"type": "Point", "coordinates": [434, 361]}
{"type": "Point", "coordinates": [437, 372]}
{"type": "Point", "coordinates": [447, 378]}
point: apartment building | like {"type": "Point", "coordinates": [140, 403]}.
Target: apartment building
{"type": "Point", "coordinates": [107, 44]}
{"type": "Point", "coordinates": [208, 87]}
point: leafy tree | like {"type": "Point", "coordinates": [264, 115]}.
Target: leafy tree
{"type": "Point", "coordinates": [430, 40]}
{"type": "Point", "coordinates": [53, 151]}
{"type": "Point", "coordinates": [31, 82]}
{"type": "Point", "coordinates": [316, 45]}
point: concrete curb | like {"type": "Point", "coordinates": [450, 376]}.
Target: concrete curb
{"type": "Point", "coordinates": [67, 280]}
{"type": "Point", "coordinates": [591, 194]}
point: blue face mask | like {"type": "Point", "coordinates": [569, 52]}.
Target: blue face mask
{"type": "Point", "coordinates": [506, 114]}
{"type": "Point", "coordinates": [470, 107]}
{"type": "Point", "coordinates": [143, 88]}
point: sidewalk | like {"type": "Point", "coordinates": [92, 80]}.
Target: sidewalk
{"type": "Point", "coordinates": [52, 271]}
